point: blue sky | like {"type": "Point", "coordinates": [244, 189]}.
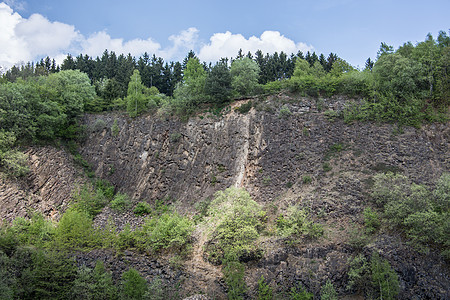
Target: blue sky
{"type": "Point", "coordinates": [353, 29]}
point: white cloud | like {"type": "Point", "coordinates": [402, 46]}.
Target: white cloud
{"type": "Point", "coordinates": [96, 44]}
{"type": "Point", "coordinates": [29, 39]}
{"type": "Point", "coordinates": [228, 44]}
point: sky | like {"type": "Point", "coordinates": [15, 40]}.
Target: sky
{"type": "Point", "coordinates": [353, 29]}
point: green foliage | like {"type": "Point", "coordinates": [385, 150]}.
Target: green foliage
{"type": "Point", "coordinates": [139, 97]}
{"type": "Point", "coordinates": [121, 202]}
{"type": "Point", "coordinates": [384, 279]}
{"type": "Point", "coordinates": [237, 221]}
{"type": "Point", "coordinates": [115, 128]}
{"type": "Point", "coordinates": [328, 292]}
{"type": "Point", "coordinates": [298, 223]}
{"type": "Point", "coordinates": [244, 108]}
{"type": "Point", "coordinates": [423, 214]}
{"type": "Point", "coordinates": [371, 220]}
{"type": "Point", "coordinates": [326, 167]}
{"type": "Point", "coordinates": [170, 230]}
{"type": "Point", "coordinates": [142, 208]}
{"type": "Point", "coordinates": [75, 231]}
{"type": "Point", "coordinates": [358, 273]}
{"type": "Point", "coordinates": [244, 74]}
{"type": "Point", "coordinates": [264, 290]}
{"type": "Point", "coordinates": [134, 287]}
{"type": "Point", "coordinates": [36, 231]}
{"type": "Point", "coordinates": [94, 284]}
{"type": "Point", "coordinates": [91, 201]}
{"type": "Point", "coordinates": [300, 294]}
{"type": "Point", "coordinates": [233, 272]}
{"type": "Point", "coordinates": [306, 179]}
{"type": "Point", "coordinates": [43, 275]}
{"type": "Point", "coordinates": [374, 277]}
{"type": "Point", "coordinates": [285, 112]}
{"type": "Point", "coordinates": [218, 83]}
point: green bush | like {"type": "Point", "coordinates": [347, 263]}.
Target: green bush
{"type": "Point", "coordinates": [115, 128]}
{"type": "Point", "coordinates": [134, 286]}
{"type": "Point", "coordinates": [236, 222]}
{"type": "Point", "coordinates": [94, 284]}
{"type": "Point", "coordinates": [264, 290]}
{"type": "Point", "coordinates": [306, 179]}
{"type": "Point", "coordinates": [233, 272]}
{"type": "Point", "coordinates": [89, 201]}
{"type": "Point", "coordinates": [374, 277]}
{"type": "Point", "coordinates": [423, 214]}
{"type": "Point", "coordinates": [298, 223]}
{"type": "Point", "coordinates": [244, 108]}
{"type": "Point", "coordinates": [284, 112]}
{"type": "Point", "coordinates": [170, 230]}
{"type": "Point", "coordinates": [142, 208]}
{"type": "Point", "coordinates": [121, 202]}
{"type": "Point", "coordinates": [300, 294]}
{"type": "Point", "coordinates": [328, 292]}
{"type": "Point", "coordinates": [384, 279]}
{"type": "Point", "coordinates": [75, 231]}
{"type": "Point", "coordinates": [371, 220]}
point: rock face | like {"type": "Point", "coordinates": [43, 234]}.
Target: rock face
{"type": "Point", "coordinates": [267, 154]}
{"type": "Point", "coordinates": [47, 188]}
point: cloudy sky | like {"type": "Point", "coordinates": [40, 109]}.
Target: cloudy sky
{"type": "Point", "coordinates": [353, 29]}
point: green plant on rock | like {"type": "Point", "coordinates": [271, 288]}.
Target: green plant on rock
{"type": "Point", "coordinates": [233, 272]}
{"type": "Point", "coordinates": [170, 230]}
{"type": "Point", "coordinates": [297, 222]}
{"type": "Point", "coordinates": [300, 293]}
{"type": "Point", "coordinates": [134, 286]}
{"type": "Point", "coordinates": [142, 208]}
{"type": "Point", "coordinates": [328, 292]}
{"type": "Point", "coordinates": [115, 128]}
{"type": "Point", "coordinates": [264, 290]}
{"type": "Point", "coordinates": [236, 221]}
{"type": "Point", "coordinates": [285, 112]}
{"type": "Point", "coordinates": [121, 202]}
{"type": "Point", "coordinates": [371, 220]}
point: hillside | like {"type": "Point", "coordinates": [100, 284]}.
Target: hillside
{"type": "Point", "coordinates": [287, 151]}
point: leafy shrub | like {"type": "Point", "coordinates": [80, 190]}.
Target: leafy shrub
{"type": "Point", "coordinates": [134, 285]}
{"type": "Point", "coordinates": [75, 231]}
{"type": "Point", "coordinates": [264, 290]}
{"type": "Point", "coordinates": [170, 230]}
{"type": "Point", "coordinates": [328, 292]}
{"type": "Point", "coordinates": [99, 125]}
{"type": "Point", "coordinates": [233, 272]}
{"type": "Point", "coordinates": [384, 279]}
{"type": "Point", "coordinates": [297, 222]}
{"type": "Point", "coordinates": [374, 277]}
{"type": "Point", "coordinates": [423, 214]}
{"type": "Point", "coordinates": [36, 231]}
{"type": "Point", "coordinates": [285, 112]}
{"type": "Point", "coordinates": [94, 284]}
{"type": "Point", "coordinates": [371, 220]}
{"type": "Point", "coordinates": [306, 179]}
{"type": "Point", "coordinates": [244, 108]}
{"type": "Point", "coordinates": [236, 221]}
{"type": "Point", "coordinates": [121, 202]}
{"type": "Point", "coordinates": [89, 201]}
{"type": "Point", "coordinates": [326, 167]}
{"type": "Point", "coordinates": [115, 128]}
{"type": "Point", "coordinates": [300, 293]}
{"type": "Point", "coordinates": [142, 208]}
